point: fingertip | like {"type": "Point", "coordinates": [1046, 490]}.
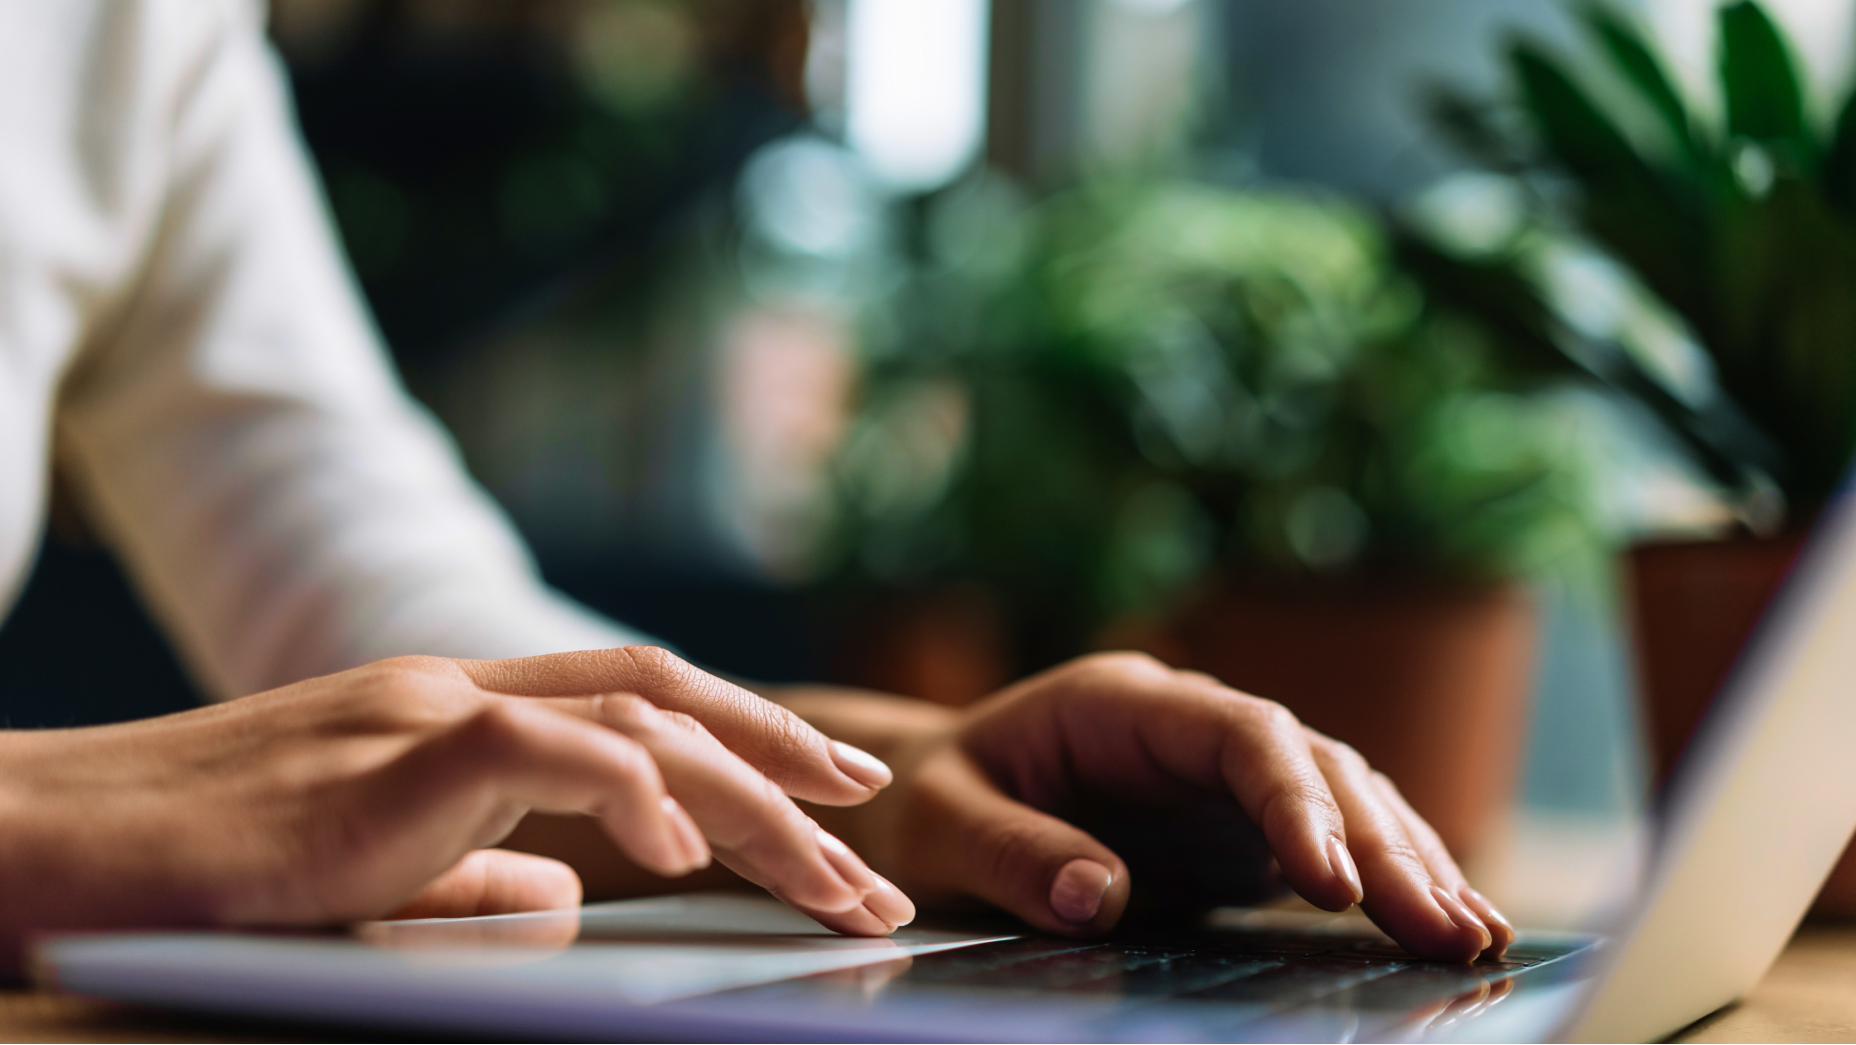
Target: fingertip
{"type": "Point", "coordinates": [682, 848]}
{"type": "Point", "coordinates": [1343, 871]}
{"type": "Point", "coordinates": [864, 768]}
{"type": "Point", "coordinates": [1078, 889]}
{"type": "Point", "coordinates": [1429, 922]}
{"type": "Point", "coordinates": [1323, 873]}
{"type": "Point", "coordinates": [687, 845]}
{"type": "Point", "coordinates": [1469, 931]}
{"type": "Point", "coordinates": [889, 903]}
{"type": "Point", "coordinates": [496, 881]}
{"type": "Point", "coordinates": [1501, 930]}
{"type": "Point", "coordinates": [861, 920]}
{"type": "Point", "coordinates": [845, 880]}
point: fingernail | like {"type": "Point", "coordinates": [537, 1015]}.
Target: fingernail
{"type": "Point", "coordinates": [860, 765]}
{"type": "Point", "coordinates": [1076, 894]}
{"type": "Point", "coordinates": [889, 903]}
{"type": "Point", "coordinates": [1459, 915]}
{"type": "Point", "coordinates": [1485, 910]}
{"type": "Point", "coordinates": [848, 864]}
{"type": "Point", "coordinates": [692, 847]}
{"type": "Point", "coordinates": [1340, 862]}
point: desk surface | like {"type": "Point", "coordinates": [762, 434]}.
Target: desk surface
{"type": "Point", "coordinates": [1809, 996]}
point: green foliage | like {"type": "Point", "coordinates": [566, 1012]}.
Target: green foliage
{"type": "Point", "coordinates": [1091, 403]}
{"type": "Point", "coordinates": [1744, 228]}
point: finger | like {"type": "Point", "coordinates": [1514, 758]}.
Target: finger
{"type": "Point", "coordinates": [1443, 868]}
{"type": "Point", "coordinates": [858, 921]}
{"type": "Point", "coordinates": [495, 881]}
{"type": "Point", "coordinates": [477, 778]}
{"type": "Point", "coordinates": [751, 824]}
{"type": "Point", "coordinates": [885, 908]}
{"type": "Point", "coordinates": [1401, 896]}
{"type": "Point", "coordinates": [971, 839]}
{"type": "Point", "coordinates": [800, 759]}
{"type": "Point", "coordinates": [1216, 737]}
{"type": "Point", "coordinates": [882, 912]}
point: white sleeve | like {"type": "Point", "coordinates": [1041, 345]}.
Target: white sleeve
{"type": "Point", "coordinates": [283, 506]}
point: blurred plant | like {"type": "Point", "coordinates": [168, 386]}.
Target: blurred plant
{"type": "Point", "coordinates": [1090, 404]}
{"type": "Point", "coordinates": [1736, 239]}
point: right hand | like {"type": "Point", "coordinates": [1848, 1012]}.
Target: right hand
{"type": "Point", "coordinates": [373, 792]}
{"type": "Point", "coordinates": [1213, 794]}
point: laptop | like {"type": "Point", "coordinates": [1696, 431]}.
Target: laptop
{"type": "Point", "coordinates": [1754, 818]}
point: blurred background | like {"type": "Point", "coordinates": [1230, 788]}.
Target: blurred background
{"type": "Point", "coordinates": [1391, 360]}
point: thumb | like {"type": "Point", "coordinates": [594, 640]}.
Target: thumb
{"type": "Point", "coordinates": [495, 881]}
{"type": "Point", "coordinates": [980, 842]}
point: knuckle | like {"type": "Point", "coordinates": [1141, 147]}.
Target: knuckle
{"type": "Point", "coordinates": [634, 764]}
{"type": "Point", "coordinates": [1118, 665]}
{"type": "Point", "coordinates": [492, 734]}
{"type": "Point", "coordinates": [656, 664]}
{"type": "Point", "coordinates": [500, 720]}
{"type": "Point", "coordinates": [787, 743]}
{"type": "Point", "coordinates": [408, 674]}
{"type": "Point", "coordinates": [391, 697]}
{"type": "Point", "coordinates": [1005, 851]}
{"type": "Point", "coordinates": [389, 677]}
{"type": "Point", "coordinates": [1349, 759]}
{"type": "Point", "coordinates": [681, 721]}
{"type": "Point", "coordinates": [1401, 852]}
{"type": "Point", "coordinates": [624, 711]}
{"type": "Point", "coordinates": [1291, 800]}
{"type": "Point", "coordinates": [1322, 746]}
{"type": "Point", "coordinates": [1268, 715]}
{"type": "Point", "coordinates": [422, 664]}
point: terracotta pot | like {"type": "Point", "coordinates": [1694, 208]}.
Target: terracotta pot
{"type": "Point", "coordinates": [1430, 683]}
{"type": "Point", "coordinates": [1694, 605]}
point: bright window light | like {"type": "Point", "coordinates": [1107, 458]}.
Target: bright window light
{"type": "Point", "coordinates": [915, 95]}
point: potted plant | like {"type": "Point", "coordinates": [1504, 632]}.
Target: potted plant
{"type": "Point", "coordinates": [1221, 426]}
{"type": "Point", "coordinates": [1741, 233]}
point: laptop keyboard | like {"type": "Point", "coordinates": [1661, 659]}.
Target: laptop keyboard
{"type": "Point", "coordinates": [1279, 969]}
{"type": "Point", "coordinates": [1223, 982]}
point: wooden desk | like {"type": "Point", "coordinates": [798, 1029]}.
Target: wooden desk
{"type": "Point", "coordinates": [1809, 996]}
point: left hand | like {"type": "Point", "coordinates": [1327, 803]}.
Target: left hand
{"type": "Point", "coordinates": [978, 806]}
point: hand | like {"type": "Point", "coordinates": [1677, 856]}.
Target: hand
{"type": "Point", "coordinates": [981, 797]}
{"type": "Point", "coordinates": [374, 791]}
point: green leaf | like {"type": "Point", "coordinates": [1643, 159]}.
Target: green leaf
{"type": "Point", "coordinates": [1838, 175]}
{"type": "Point", "coordinates": [1644, 71]}
{"type": "Point", "coordinates": [1536, 343]}
{"type": "Point", "coordinates": [1655, 225]}
{"type": "Point", "coordinates": [1764, 100]}
{"type": "Point", "coordinates": [1493, 292]}
{"type": "Point", "coordinates": [1579, 135]}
